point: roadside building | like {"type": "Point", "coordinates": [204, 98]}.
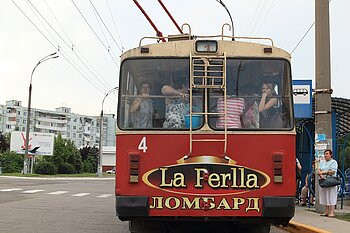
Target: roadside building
{"type": "Point", "coordinates": [81, 129]}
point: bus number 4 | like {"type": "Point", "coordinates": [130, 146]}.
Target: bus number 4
{"type": "Point", "coordinates": [143, 145]}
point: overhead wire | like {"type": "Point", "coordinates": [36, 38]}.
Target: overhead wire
{"type": "Point", "coordinates": [252, 19]}
{"type": "Point", "coordinates": [115, 26]}
{"type": "Point", "coordinates": [105, 25]}
{"type": "Point", "coordinates": [20, 9]}
{"type": "Point", "coordinates": [74, 47]}
{"type": "Point", "coordinates": [69, 47]}
{"type": "Point", "coordinates": [99, 24]}
{"type": "Point", "coordinates": [42, 24]}
{"type": "Point", "coordinates": [267, 14]}
{"type": "Point", "coordinates": [53, 45]}
{"type": "Point", "coordinates": [302, 38]}
{"type": "Point", "coordinates": [99, 39]}
{"type": "Point", "coordinates": [256, 26]}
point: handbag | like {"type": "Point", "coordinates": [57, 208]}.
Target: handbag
{"type": "Point", "coordinates": [330, 181]}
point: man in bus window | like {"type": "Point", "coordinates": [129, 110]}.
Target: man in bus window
{"type": "Point", "coordinates": [141, 108]}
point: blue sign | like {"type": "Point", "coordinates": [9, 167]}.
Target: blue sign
{"type": "Point", "coordinates": [302, 96]}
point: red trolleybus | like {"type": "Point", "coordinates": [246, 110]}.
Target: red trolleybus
{"type": "Point", "coordinates": [198, 143]}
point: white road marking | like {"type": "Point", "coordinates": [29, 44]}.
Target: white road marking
{"type": "Point", "coordinates": [9, 190]}
{"type": "Point", "coordinates": [105, 195]}
{"type": "Point", "coordinates": [80, 194]}
{"type": "Point", "coordinates": [33, 191]}
{"type": "Point", "coordinates": [58, 192]}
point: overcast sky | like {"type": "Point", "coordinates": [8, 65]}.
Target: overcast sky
{"type": "Point", "coordinates": [86, 71]}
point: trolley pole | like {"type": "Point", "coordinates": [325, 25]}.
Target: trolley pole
{"type": "Point", "coordinates": [323, 91]}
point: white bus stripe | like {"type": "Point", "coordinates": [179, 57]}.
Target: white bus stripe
{"type": "Point", "coordinates": [80, 194]}
{"type": "Point", "coordinates": [105, 195]}
{"type": "Point", "coordinates": [58, 192]}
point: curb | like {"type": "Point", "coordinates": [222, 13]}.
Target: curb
{"type": "Point", "coordinates": [59, 178]}
{"type": "Point", "coordinates": [299, 227]}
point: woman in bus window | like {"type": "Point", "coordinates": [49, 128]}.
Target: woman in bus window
{"type": "Point", "coordinates": [175, 105]}
{"type": "Point", "coordinates": [269, 108]}
{"type": "Point", "coordinates": [142, 108]}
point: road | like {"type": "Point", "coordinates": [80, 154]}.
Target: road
{"type": "Point", "coordinates": [57, 206]}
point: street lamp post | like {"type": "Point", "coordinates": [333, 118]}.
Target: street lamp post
{"type": "Point", "coordinates": [99, 165]}
{"type": "Point", "coordinates": [25, 163]}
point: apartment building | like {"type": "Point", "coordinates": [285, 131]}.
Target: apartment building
{"type": "Point", "coordinates": [81, 129]}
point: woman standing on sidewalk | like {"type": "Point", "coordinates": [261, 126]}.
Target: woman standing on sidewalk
{"type": "Point", "coordinates": [328, 196]}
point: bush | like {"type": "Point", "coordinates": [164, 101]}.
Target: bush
{"type": "Point", "coordinates": [88, 167]}
{"type": "Point", "coordinates": [66, 168]}
{"type": "Point", "coordinates": [45, 168]}
{"type": "Point", "coordinates": [11, 162]}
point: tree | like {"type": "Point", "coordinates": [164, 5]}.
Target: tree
{"type": "Point", "coordinates": [11, 162]}
{"type": "Point", "coordinates": [4, 143]}
{"type": "Point", "coordinates": [90, 158]}
{"type": "Point", "coordinates": [66, 157]}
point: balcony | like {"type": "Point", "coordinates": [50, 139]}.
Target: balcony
{"type": "Point", "coordinates": [54, 128]}
{"type": "Point", "coordinates": [53, 120]}
{"type": "Point", "coordinates": [12, 114]}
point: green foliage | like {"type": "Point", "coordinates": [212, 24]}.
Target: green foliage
{"type": "Point", "coordinates": [90, 158]}
{"type": "Point", "coordinates": [65, 152]}
{"type": "Point", "coordinates": [45, 168]}
{"type": "Point", "coordinates": [4, 142]}
{"type": "Point", "coordinates": [66, 168]}
{"type": "Point", "coordinates": [11, 162]}
{"type": "Point", "coordinates": [88, 167]}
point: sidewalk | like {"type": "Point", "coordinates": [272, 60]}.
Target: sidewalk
{"type": "Point", "coordinates": [307, 220]}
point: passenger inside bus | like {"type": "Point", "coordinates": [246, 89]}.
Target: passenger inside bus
{"type": "Point", "coordinates": [175, 104]}
{"type": "Point", "coordinates": [141, 109]}
{"type": "Point", "coordinates": [269, 107]}
{"type": "Point", "coordinates": [250, 117]}
{"type": "Point", "coordinates": [234, 111]}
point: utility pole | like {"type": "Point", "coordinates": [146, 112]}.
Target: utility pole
{"type": "Point", "coordinates": [100, 147]}
{"type": "Point", "coordinates": [323, 91]}
{"type": "Point", "coordinates": [26, 167]}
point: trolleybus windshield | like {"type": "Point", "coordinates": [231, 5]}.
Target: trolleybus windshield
{"type": "Point", "coordinates": [258, 95]}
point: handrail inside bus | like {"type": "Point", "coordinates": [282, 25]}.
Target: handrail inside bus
{"type": "Point", "coordinates": [200, 96]}
{"type": "Point", "coordinates": [190, 37]}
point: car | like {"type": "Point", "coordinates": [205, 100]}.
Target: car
{"type": "Point", "coordinates": [112, 171]}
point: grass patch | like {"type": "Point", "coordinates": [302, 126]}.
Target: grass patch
{"type": "Point", "coordinates": [58, 175]}
{"type": "Point", "coordinates": [344, 217]}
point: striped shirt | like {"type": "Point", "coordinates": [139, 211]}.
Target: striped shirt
{"type": "Point", "coordinates": [235, 107]}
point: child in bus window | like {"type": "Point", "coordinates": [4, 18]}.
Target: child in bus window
{"type": "Point", "coordinates": [175, 104]}
{"type": "Point", "coordinates": [141, 108]}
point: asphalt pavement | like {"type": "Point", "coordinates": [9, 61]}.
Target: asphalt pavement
{"type": "Point", "coordinates": [306, 220]}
